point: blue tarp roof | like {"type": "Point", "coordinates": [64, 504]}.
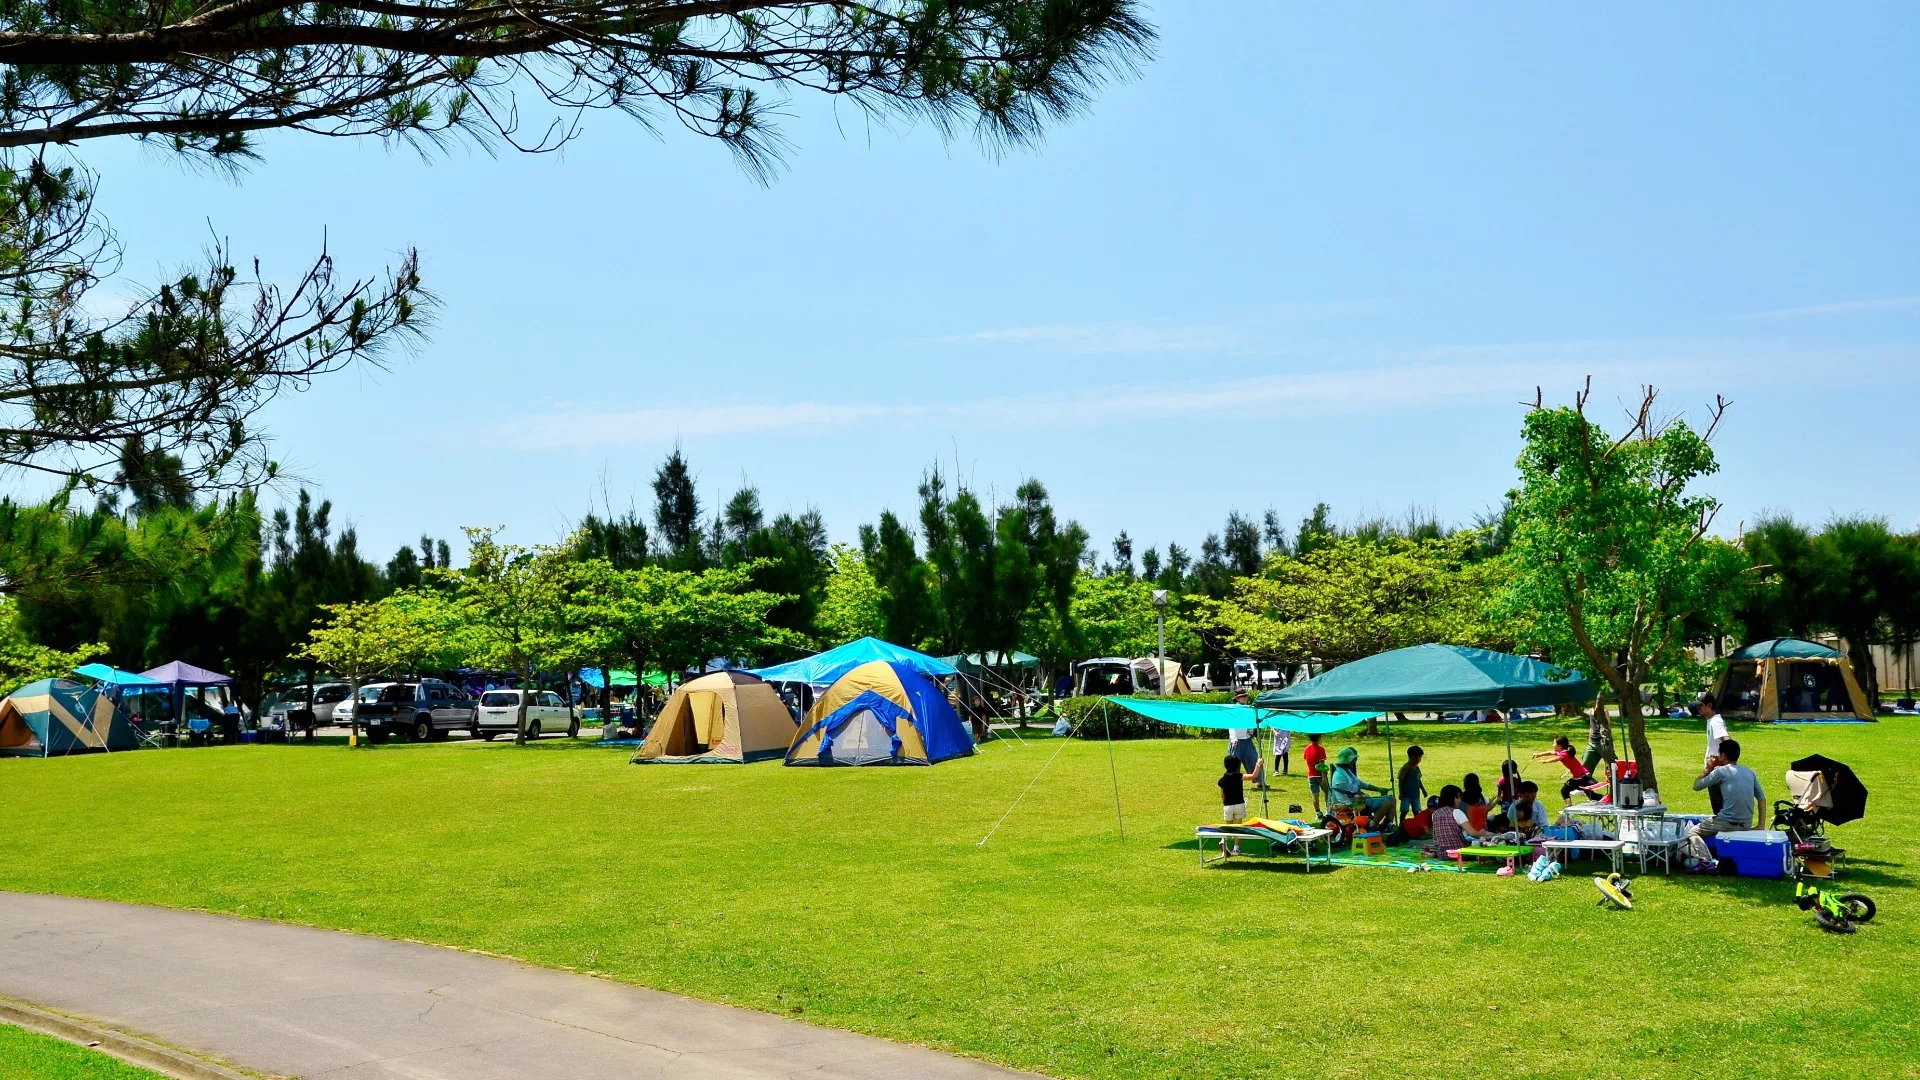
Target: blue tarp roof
{"type": "Point", "coordinates": [822, 669]}
{"type": "Point", "coordinates": [1199, 714]}
{"type": "Point", "coordinates": [113, 676]}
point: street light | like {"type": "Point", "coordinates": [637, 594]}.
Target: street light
{"type": "Point", "coordinates": [1160, 614]}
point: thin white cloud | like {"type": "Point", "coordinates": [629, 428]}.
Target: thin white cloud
{"type": "Point", "coordinates": [1104, 338]}
{"type": "Point", "coordinates": [1421, 381]}
{"type": "Point", "coordinates": [1844, 307]}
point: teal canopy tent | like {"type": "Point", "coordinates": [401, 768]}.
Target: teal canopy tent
{"type": "Point", "coordinates": [1436, 678]}
{"type": "Point", "coordinates": [1785, 649]}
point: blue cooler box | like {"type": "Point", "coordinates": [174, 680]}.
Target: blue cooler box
{"type": "Point", "coordinates": [1759, 853]}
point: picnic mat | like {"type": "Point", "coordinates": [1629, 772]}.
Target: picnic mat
{"type": "Point", "coordinates": [1406, 858]}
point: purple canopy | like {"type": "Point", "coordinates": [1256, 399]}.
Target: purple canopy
{"type": "Point", "coordinates": [181, 674]}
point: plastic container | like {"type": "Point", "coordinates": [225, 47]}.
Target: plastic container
{"type": "Point", "coordinates": [1758, 853]}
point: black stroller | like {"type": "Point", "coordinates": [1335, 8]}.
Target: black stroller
{"type": "Point", "coordinates": [1824, 792]}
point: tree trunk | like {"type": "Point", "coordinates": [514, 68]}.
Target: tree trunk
{"type": "Point", "coordinates": [1631, 712]}
{"type": "Point", "coordinates": [520, 716]}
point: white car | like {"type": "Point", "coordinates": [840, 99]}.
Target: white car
{"type": "Point", "coordinates": [499, 713]}
{"type": "Point", "coordinates": [1199, 678]}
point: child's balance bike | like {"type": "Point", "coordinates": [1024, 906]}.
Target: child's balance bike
{"type": "Point", "coordinates": [1837, 912]}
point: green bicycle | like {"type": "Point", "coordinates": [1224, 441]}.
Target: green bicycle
{"type": "Point", "coordinates": [1837, 912]}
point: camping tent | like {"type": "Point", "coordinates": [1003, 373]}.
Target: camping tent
{"type": "Point", "coordinates": [880, 713]}
{"type": "Point", "coordinates": [58, 716]}
{"type": "Point", "coordinates": [823, 669]}
{"type": "Point", "coordinates": [179, 676]}
{"type": "Point", "coordinates": [1435, 678]}
{"type": "Point", "coordinates": [1790, 680]}
{"type": "Point", "coordinates": [726, 717]}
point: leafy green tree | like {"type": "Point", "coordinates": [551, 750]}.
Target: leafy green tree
{"type": "Point", "coordinates": [907, 614]}
{"type": "Point", "coordinates": [22, 660]}
{"type": "Point", "coordinates": [1612, 557]}
{"type": "Point", "coordinates": [664, 619]}
{"type": "Point", "coordinates": [990, 566]}
{"type": "Point", "coordinates": [620, 540]}
{"type": "Point", "coordinates": [852, 606]}
{"type": "Point", "coordinates": [1150, 564]}
{"type": "Point", "coordinates": [1316, 529]}
{"type": "Point", "coordinates": [676, 512]}
{"type": "Point", "coordinates": [364, 640]}
{"type": "Point", "coordinates": [511, 598]}
{"type": "Point", "coordinates": [1240, 544]}
{"type": "Point", "coordinates": [1110, 615]}
{"type": "Point", "coordinates": [1348, 598]}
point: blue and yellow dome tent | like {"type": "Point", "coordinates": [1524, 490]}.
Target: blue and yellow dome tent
{"type": "Point", "coordinates": [53, 717]}
{"type": "Point", "coordinates": [880, 713]}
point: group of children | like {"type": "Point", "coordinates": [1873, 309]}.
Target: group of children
{"type": "Point", "coordinates": [1445, 820]}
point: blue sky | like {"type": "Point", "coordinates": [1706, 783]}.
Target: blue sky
{"type": "Point", "coordinates": [1312, 253]}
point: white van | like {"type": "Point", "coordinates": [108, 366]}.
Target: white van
{"type": "Point", "coordinates": [499, 714]}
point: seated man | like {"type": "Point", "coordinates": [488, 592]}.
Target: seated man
{"type": "Point", "coordinates": [1529, 814]}
{"type": "Point", "coordinates": [1741, 803]}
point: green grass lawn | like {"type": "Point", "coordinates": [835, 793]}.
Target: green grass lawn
{"type": "Point", "coordinates": [861, 899]}
{"type": "Point", "coordinates": [27, 1055]}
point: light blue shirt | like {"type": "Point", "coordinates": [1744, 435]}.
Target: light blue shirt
{"type": "Point", "coordinates": [1739, 790]}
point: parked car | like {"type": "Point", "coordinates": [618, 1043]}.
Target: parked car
{"type": "Point", "coordinates": [422, 710]}
{"type": "Point", "coordinates": [1200, 678]}
{"type": "Point", "coordinates": [292, 711]}
{"type": "Point", "coordinates": [499, 714]}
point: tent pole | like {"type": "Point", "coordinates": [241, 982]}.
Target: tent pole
{"type": "Point", "coordinates": [1393, 776]}
{"type": "Point", "coordinates": [1113, 768]}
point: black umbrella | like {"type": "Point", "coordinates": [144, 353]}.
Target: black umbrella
{"type": "Point", "coordinates": [1848, 794]}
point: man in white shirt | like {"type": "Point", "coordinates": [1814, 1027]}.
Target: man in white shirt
{"type": "Point", "coordinates": [1716, 729]}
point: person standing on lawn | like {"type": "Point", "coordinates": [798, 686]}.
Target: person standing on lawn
{"type": "Point", "coordinates": [1742, 802]}
{"type": "Point", "coordinates": [1315, 759]}
{"type": "Point", "coordinates": [1283, 750]}
{"type": "Point", "coordinates": [1599, 740]}
{"type": "Point", "coordinates": [1716, 728]}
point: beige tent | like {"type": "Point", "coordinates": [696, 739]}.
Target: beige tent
{"type": "Point", "coordinates": [1789, 680]}
{"type": "Point", "coordinates": [725, 717]}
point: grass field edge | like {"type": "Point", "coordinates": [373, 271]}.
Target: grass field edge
{"type": "Point", "coordinates": [126, 1046]}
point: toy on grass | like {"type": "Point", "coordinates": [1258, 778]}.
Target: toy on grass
{"type": "Point", "coordinates": [1837, 912]}
{"type": "Point", "coordinates": [1543, 869]}
{"type": "Point", "coordinates": [1615, 890]}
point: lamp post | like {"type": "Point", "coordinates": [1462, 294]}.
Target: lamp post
{"type": "Point", "coordinates": [1160, 615]}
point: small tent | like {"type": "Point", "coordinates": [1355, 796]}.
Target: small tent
{"type": "Point", "coordinates": [728, 717]}
{"type": "Point", "coordinates": [53, 717]}
{"type": "Point", "coordinates": [880, 713]}
{"type": "Point", "coordinates": [1790, 680]}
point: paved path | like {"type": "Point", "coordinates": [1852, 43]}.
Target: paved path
{"type": "Point", "coordinates": [292, 1001]}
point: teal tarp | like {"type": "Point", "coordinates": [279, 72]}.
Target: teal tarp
{"type": "Point", "coordinates": [1434, 678]}
{"type": "Point", "coordinates": [973, 661]}
{"type": "Point", "coordinates": [824, 669]}
{"type": "Point", "coordinates": [113, 676]}
{"type": "Point", "coordinates": [1222, 717]}
{"type": "Point", "coordinates": [1786, 648]}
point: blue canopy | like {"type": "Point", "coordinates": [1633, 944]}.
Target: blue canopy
{"type": "Point", "coordinates": [1222, 717]}
{"type": "Point", "coordinates": [114, 677]}
{"type": "Point", "coordinates": [822, 669]}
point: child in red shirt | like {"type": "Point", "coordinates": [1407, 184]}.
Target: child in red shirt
{"type": "Point", "coordinates": [1578, 778]}
{"type": "Point", "coordinates": [1315, 757]}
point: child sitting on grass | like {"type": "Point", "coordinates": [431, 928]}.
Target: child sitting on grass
{"type": "Point", "coordinates": [1233, 800]}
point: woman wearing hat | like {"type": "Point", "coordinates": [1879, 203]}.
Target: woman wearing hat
{"type": "Point", "coordinates": [1347, 785]}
